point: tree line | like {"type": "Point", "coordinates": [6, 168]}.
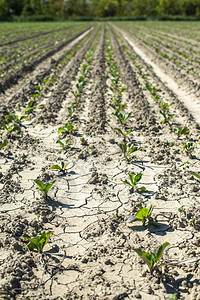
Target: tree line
{"type": "Point", "coordinates": [99, 8]}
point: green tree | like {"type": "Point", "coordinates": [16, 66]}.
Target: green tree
{"type": "Point", "coordinates": [4, 8]}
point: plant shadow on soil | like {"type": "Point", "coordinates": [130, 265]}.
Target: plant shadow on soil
{"type": "Point", "coordinates": [56, 204]}
{"type": "Point", "coordinates": [161, 229]}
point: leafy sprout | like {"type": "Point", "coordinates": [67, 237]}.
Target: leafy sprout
{"type": "Point", "coordinates": [61, 168]}
{"type": "Point", "coordinates": [13, 117]}
{"type": "Point", "coordinates": [151, 259]}
{"type": "Point", "coordinates": [133, 180]}
{"type": "Point", "coordinates": [65, 145]}
{"type": "Point", "coordinates": [11, 128]}
{"type": "Point", "coordinates": [124, 134]}
{"type": "Point", "coordinates": [197, 175]}
{"type": "Point", "coordinates": [3, 143]}
{"type": "Point", "coordinates": [127, 151]}
{"type": "Point", "coordinates": [68, 128]}
{"type": "Point", "coordinates": [39, 241]}
{"type": "Point", "coordinates": [181, 131]}
{"type": "Point", "coordinates": [44, 188]}
{"type": "Point", "coordinates": [165, 112]}
{"type": "Point", "coordinates": [122, 117]}
{"type": "Point", "coordinates": [188, 148]}
{"type": "Point", "coordinates": [144, 214]}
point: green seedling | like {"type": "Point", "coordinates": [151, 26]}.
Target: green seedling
{"type": "Point", "coordinates": [167, 117]}
{"type": "Point", "coordinates": [171, 144]}
{"type": "Point", "coordinates": [69, 128]}
{"type": "Point", "coordinates": [122, 117]}
{"type": "Point", "coordinates": [188, 148]}
{"type": "Point", "coordinates": [39, 241]}
{"type": "Point", "coordinates": [44, 188]}
{"type": "Point", "coordinates": [124, 134]}
{"type": "Point", "coordinates": [76, 94]}
{"type": "Point", "coordinates": [144, 214]}
{"type": "Point", "coordinates": [133, 180]}
{"type": "Point", "coordinates": [65, 145]}
{"type": "Point", "coordinates": [151, 259]}
{"type": "Point", "coordinates": [174, 297]}
{"type": "Point", "coordinates": [165, 112]}
{"type": "Point", "coordinates": [84, 69]}
{"type": "Point", "coordinates": [13, 117]}
{"type": "Point", "coordinates": [38, 89]}
{"type": "Point", "coordinates": [61, 168]}
{"type": "Point", "coordinates": [71, 111]}
{"type": "Point", "coordinates": [84, 142]}
{"type": "Point", "coordinates": [153, 90]}
{"type": "Point", "coordinates": [29, 107]}
{"type": "Point", "coordinates": [127, 151]}
{"type": "Point", "coordinates": [119, 107]}
{"type": "Point", "coordinates": [197, 175]}
{"type": "Point", "coordinates": [3, 143]}
{"type": "Point", "coordinates": [11, 128]}
{"type": "Point", "coordinates": [181, 131]}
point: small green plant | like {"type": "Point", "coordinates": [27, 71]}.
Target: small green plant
{"type": "Point", "coordinates": [165, 112]}
{"type": "Point", "coordinates": [144, 214]}
{"type": "Point", "coordinates": [124, 134]}
{"type": "Point", "coordinates": [61, 168]}
{"type": "Point", "coordinates": [44, 188]}
{"type": "Point", "coordinates": [118, 107]}
{"type": "Point", "coordinates": [122, 117]}
{"type": "Point", "coordinates": [151, 259]}
{"type": "Point", "coordinates": [65, 145]}
{"type": "Point", "coordinates": [154, 91]}
{"type": "Point", "coordinates": [188, 148]}
{"type": "Point", "coordinates": [127, 151]}
{"type": "Point", "coordinates": [68, 128]}
{"type": "Point", "coordinates": [181, 131]}
{"type": "Point", "coordinates": [133, 180]}
{"type": "Point", "coordinates": [197, 175]}
{"type": "Point", "coordinates": [11, 128]}
{"type": "Point", "coordinates": [84, 142]}
{"type": "Point", "coordinates": [3, 143]}
{"type": "Point", "coordinates": [16, 118]}
{"type": "Point", "coordinates": [171, 144]}
{"type": "Point", "coordinates": [39, 241]}
{"type": "Point", "coordinates": [29, 107]}
{"type": "Point", "coordinates": [174, 297]}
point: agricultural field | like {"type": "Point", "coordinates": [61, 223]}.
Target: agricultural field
{"type": "Point", "coordinates": [100, 160]}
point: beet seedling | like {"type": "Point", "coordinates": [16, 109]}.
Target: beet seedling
{"type": "Point", "coordinates": [84, 142]}
{"type": "Point", "coordinates": [124, 134]}
{"type": "Point", "coordinates": [144, 214]}
{"type": "Point", "coordinates": [3, 143]}
{"type": "Point", "coordinates": [127, 151]}
{"type": "Point", "coordinates": [29, 107]}
{"type": "Point", "coordinates": [134, 179]}
{"type": "Point", "coordinates": [11, 128]}
{"type": "Point", "coordinates": [65, 145]}
{"type": "Point", "coordinates": [118, 108]}
{"type": "Point", "coordinates": [39, 241]}
{"type": "Point", "coordinates": [61, 168]}
{"type": "Point", "coordinates": [16, 118]}
{"type": "Point", "coordinates": [188, 147]}
{"type": "Point", "coordinates": [165, 112]}
{"type": "Point", "coordinates": [151, 259]}
{"type": "Point", "coordinates": [122, 117]}
{"type": "Point", "coordinates": [71, 111]}
{"type": "Point", "coordinates": [68, 128]}
{"type": "Point", "coordinates": [181, 130]}
{"type": "Point", "coordinates": [44, 188]}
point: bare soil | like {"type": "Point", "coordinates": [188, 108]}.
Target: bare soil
{"type": "Point", "coordinates": [90, 253]}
